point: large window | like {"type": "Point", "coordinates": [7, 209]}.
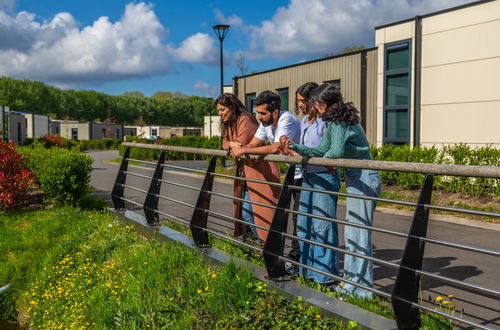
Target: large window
{"type": "Point", "coordinates": [397, 92]}
{"type": "Point", "coordinates": [249, 102]}
{"type": "Point", "coordinates": [283, 93]}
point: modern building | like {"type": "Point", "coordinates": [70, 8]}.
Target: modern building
{"type": "Point", "coordinates": [438, 77]}
{"type": "Point", "coordinates": [429, 80]}
{"type": "Point", "coordinates": [90, 131]}
{"type": "Point", "coordinates": [36, 125]}
{"type": "Point", "coordinates": [354, 73]}
{"type": "Point", "coordinates": [12, 126]}
{"type": "Point", "coordinates": [162, 131]}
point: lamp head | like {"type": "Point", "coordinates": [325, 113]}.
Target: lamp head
{"type": "Point", "coordinates": [220, 30]}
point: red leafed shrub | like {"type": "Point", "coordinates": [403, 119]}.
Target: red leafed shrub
{"type": "Point", "coordinates": [15, 180]}
{"type": "Point", "coordinates": [52, 140]}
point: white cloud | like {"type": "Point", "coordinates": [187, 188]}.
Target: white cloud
{"type": "Point", "coordinates": [7, 4]}
{"type": "Point", "coordinates": [317, 27]}
{"type": "Point", "coordinates": [57, 51]}
{"type": "Point", "coordinates": [206, 89]}
{"type": "Point", "coordinates": [198, 48]}
{"type": "Point", "coordinates": [233, 20]}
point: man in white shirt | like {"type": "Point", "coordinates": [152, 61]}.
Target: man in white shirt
{"type": "Point", "coordinates": [273, 124]}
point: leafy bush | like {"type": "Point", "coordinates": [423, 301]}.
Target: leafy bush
{"type": "Point", "coordinates": [180, 141]}
{"type": "Point", "coordinates": [459, 154]}
{"type": "Point", "coordinates": [15, 179]}
{"type": "Point", "coordinates": [89, 202]}
{"type": "Point", "coordinates": [55, 140]}
{"type": "Point", "coordinates": [62, 174]}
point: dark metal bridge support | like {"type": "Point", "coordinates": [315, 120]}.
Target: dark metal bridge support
{"type": "Point", "coordinates": [407, 281]}
{"type": "Point", "coordinates": [275, 241]}
{"type": "Point", "coordinates": [199, 218]}
{"type": "Point", "coordinates": [117, 193]}
{"type": "Point", "coordinates": [151, 201]}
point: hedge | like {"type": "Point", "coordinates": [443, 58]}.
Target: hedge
{"type": "Point", "coordinates": [459, 154]}
{"type": "Point", "coordinates": [179, 141]}
{"type": "Point", "coordinates": [62, 174]}
{"type": "Point", "coordinates": [57, 141]}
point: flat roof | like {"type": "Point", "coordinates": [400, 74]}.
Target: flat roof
{"type": "Point", "coordinates": [434, 13]}
{"type": "Point", "coordinates": [308, 62]}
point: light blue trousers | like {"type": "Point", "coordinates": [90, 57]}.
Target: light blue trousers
{"type": "Point", "coordinates": [247, 213]}
{"type": "Point", "coordinates": [359, 240]}
{"type": "Point", "coordinates": [317, 230]}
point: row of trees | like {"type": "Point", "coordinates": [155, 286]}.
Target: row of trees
{"type": "Point", "coordinates": [163, 108]}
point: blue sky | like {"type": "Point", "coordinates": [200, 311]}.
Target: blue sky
{"type": "Point", "coordinates": [116, 46]}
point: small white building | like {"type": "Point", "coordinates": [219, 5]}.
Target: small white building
{"type": "Point", "coordinates": [12, 126]}
{"type": "Point", "coordinates": [211, 126]}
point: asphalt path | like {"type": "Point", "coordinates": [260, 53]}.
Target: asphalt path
{"type": "Point", "coordinates": [478, 269]}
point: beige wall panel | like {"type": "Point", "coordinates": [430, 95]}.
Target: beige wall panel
{"type": "Point", "coordinates": [462, 82]}
{"type": "Point", "coordinates": [449, 124]}
{"type": "Point", "coordinates": [399, 32]}
{"type": "Point", "coordinates": [464, 44]}
{"type": "Point", "coordinates": [379, 37]}
{"type": "Point", "coordinates": [458, 18]}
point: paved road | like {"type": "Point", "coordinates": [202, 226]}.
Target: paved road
{"type": "Point", "coordinates": [461, 265]}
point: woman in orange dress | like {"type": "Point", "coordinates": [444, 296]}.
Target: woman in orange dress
{"type": "Point", "coordinates": [239, 128]}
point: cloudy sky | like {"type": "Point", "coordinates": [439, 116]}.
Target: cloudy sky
{"type": "Point", "coordinates": [116, 46]}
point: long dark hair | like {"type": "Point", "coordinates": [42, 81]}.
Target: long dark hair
{"type": "Point", "coordinates": [306, 91]}
{"type": "Point", "coordinates": [231, 101]}
{"type": "Point", "coordinates": [337, 111]}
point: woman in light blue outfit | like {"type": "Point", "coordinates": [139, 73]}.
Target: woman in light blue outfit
{"type": "Point", "coordinates": [321, 204]}
{"type": "Point", "coordinates": [344, 138]}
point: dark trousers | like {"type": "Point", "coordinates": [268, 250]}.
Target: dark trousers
{"type": "Point", "coordinates": [295, 251]}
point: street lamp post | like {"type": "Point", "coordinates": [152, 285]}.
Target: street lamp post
{"type": "Point", "coordinates": [221, 32]}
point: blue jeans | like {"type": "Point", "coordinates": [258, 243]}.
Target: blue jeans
{"type": "Point", "coordinates": [359, 240]}
{"type": "Point", "coordinates": [247, 213]}
{"type": "Point", "coordinates": [317, 230]}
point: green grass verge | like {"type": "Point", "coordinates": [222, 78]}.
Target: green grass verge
{"type": "Point", "coordinates": [72, 268]}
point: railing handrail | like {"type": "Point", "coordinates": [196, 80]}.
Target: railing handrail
{"type": "Point", "coordinates": [424, 168]}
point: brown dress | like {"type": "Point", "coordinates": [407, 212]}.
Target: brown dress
{"type": "Point", "coordinates": [243, 132]}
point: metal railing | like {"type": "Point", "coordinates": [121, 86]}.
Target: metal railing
{"type": "Point", "coordinates": [404, 296]}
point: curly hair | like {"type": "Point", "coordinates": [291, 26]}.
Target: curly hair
{"type": "Point", "coordinates": [306, 91]}
{"type": "Point", "coordinates": [270, 99]}
{"type": "Point", "coordinates": [337, 111]}
{"type": "Point", "coordinates": [231, 101]}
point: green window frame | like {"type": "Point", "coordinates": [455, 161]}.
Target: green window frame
{"type": "Point", "coordinates": [397, 90]}
{"type": "Point", "coordinates": [283, 93]}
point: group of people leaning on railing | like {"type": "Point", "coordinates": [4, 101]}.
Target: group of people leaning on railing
{"type": "Point", "coordinates": [330, 128]}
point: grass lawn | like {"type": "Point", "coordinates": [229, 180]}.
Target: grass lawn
{"type": "Point", "coordinates": [72, 268]}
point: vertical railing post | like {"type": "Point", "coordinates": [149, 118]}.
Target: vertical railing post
{"type": "Point", "coordinates": [275, 241]}
{"type": "Point", "coordinates": [151, 201]}
{"type": "Point", "coordinates": [407, 281]}
{"type": "Point", "coordinates": [117, 193]}
{"type": "Point", "coordinates": [199, 218]}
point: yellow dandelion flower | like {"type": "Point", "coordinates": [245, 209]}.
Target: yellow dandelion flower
{"type": "Point", "coordinates": [206, 288]}
{"type": "Point", "coordinates": [451, 296]}
{"type": "Point", "coordinates": [318, 316]}
{"type": "Point", "coordinates": [145, 262]}
{"type": "Point", "coordinates": [199, 291]}
{"type": "Point", "coordinates": [439, 298]}
{"type": "Point", "coordinates": [445, 302]}
{"type": "Point", "coordinates": [214, 275]}
{"type": "Point", "coordinates": [453, 306]}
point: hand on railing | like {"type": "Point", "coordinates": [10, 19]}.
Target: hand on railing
{"type": "Point", "coordinates": [285, 144]}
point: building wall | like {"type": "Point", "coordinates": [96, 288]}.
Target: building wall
{"type": "Point", "coordinates": [17, 128]}
{"type": "Point", "coordinates": [82, 133]}
{"type": "Point", "coordinates": [100, 131]}
{"type": "Point", "coordinates": [460, 77]}
{"type": "Point", "coordinates": [37, 125]}
{"type": "Point", "coordinates": [460, 66]}
{"type": "Point", "coordinates": [214, 130]}
{"type": "Point", "coordinates": [346, 68]}
{"type": "Point", "coordinates": [128, 130]}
